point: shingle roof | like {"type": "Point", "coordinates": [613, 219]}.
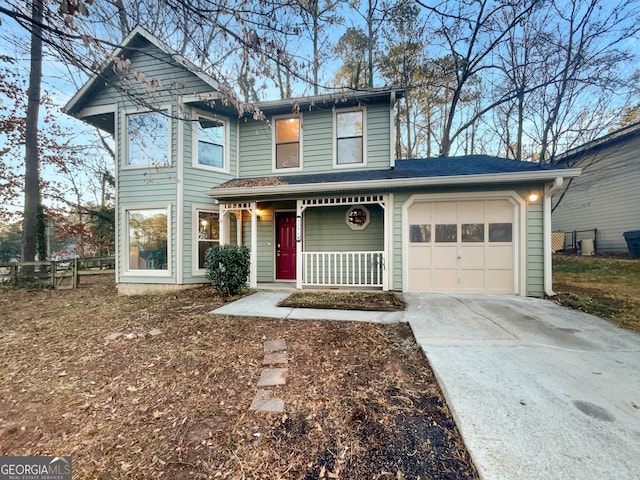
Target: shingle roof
{"type": "Point", "coordinates": [405, 169]}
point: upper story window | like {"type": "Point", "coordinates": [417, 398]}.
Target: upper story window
{"type": "Point", "coordinates": [349, 137]}
{"type": "Point", "coordinates": [210, 134]}
{"type": "Point", "coordinates": [287, 142]}
{"type": "Point", "coordinates": [147, 139]}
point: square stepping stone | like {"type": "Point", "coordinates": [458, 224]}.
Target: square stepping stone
{"type": "Point", "coordinates": [279, 358]}
{"type": "Point", "coordinates": [264, 402]}
{"type": "Point", "coordinates": [273, 376]}
{"type": "Point", "coordinates": [272, 346]}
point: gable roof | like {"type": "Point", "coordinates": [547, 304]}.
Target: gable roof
{"type": "Point", "coordinates": [609, 139]}
{"type": "Point", "coordinates": [466, 170]}
{"type": "Point", "coordinates": [131, 43]}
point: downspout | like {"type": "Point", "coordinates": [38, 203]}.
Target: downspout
{"type": "Point", "coordinates": [549, 190]}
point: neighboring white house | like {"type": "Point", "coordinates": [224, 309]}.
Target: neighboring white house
{"type": "Point", "coordinates": [606, 196]}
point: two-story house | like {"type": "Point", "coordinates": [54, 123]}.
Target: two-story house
{"type": "Point", "coordinates": [311, 185]}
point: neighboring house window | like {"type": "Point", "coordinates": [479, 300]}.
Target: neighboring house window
{"type": "Point", "coordinates": [349, 137]}
{"type": "Point", "coordinates": [208, 234]}
{"type": "Point", "coordinates": [147, 139]}
{"type": "Point", "coordinates": [147, 231]}
{"type": "Point", "coordinates": [287, 142]}
{"type": "Point", "coordinates": [210, 134]}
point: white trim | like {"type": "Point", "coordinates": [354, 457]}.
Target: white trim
{"type": "Point", "coordinates": [334, 147]}
{"type": "Point", "coordinates": [201, 97]}
{"type": "Point", "coordinates": [549, 190]}
{"type": "Point", "coordinates": [274, 168]}
{"type": "Point", "coordinates": [96, 110]}
{"type": "Point", "coordinates": [128, 273]}
{"type": "Point", "coordinates": [253, 266]}
{"type": "Point", "coordinates": [520, 229]}
{"type": "Point", "coordinates": [196, 208]}
{"type": "Point", "coordinates": [389, 183]}
{"type": "Point", "coordinates": [180, 204]}
{"type": "Point", "coordinates": [389, 226]}
{"type": "Point", "coordinates": [125, 144]}
{"type": "Point", "coordinates": [117, 148]}
{"type": "Point", "coordinates": [392, 128]}
{"type": "Point", "coordinates": [195, 115]}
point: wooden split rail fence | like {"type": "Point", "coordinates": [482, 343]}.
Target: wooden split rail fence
{"type": "Point", "coordinates": [55, 274]}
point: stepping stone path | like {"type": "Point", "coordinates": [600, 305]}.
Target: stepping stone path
{"type": "Point", "coordinates": [275, 354]}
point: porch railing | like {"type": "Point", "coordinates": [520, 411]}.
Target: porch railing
{"type": "Point", "coordinates": [349, 269]}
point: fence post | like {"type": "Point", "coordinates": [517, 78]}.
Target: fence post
{"type": "Point", "coordinates": [53, 274]}
{"type": "Point", "coordinates": [14, 275]}
{"type": "Point", "coordinates": [74, 273]}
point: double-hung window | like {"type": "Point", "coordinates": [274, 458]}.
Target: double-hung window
{"type": "Point", "coordinates": [287, 143]}
{"type": "Point", "coordinates": [147, 139]}
{"type": "Point", "coordinates": [147, 236]}
{"type": "Point", "coordinates": [349, 137]}
{"type": "Point", "coordinates": [211, 139]}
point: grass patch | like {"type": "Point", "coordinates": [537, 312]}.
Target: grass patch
{"type": "Point", "coordinates": [606, 287]}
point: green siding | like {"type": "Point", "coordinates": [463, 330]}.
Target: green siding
{"type": "Point", "coordinates": [326, 230]}
{"type": "Point", "coordinates": [196, 181]}
{"type": "Point", "coordinates": [158, 186]}
{"type": "Point", "coordinates": [378, 136]}
{"type": "Point", "coordinates": [398, 265]}
{"type": "Point", "coordinates": [535, 250]}
{"type": "Point", "coordinates": [317, 144]}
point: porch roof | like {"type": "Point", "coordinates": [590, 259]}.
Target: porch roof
{"type": "Point", "coordinates": [449, 171]}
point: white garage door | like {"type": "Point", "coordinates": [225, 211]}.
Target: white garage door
{"type": "Point", "coordinates": [461, 246]}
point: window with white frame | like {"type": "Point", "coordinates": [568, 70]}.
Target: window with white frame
{"type": "Point", "coordinates": [208, 233]}
{"type": "Point", "coordinates": [349, 137]}
{"type": "Point", "coordinates": [147, 232]}
{"type": "Point", "coordinates": [287, 142]}
{"type": "Point", "coordinates": [147, 139]}
{"type": "Point", "coordinates": [210, 136]}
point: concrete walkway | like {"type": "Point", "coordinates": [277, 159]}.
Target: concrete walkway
{"type": "Point", "coordinates": [537, 391]}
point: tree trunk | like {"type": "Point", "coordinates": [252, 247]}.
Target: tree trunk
{"type": "Point", "coordinates": [32, 161]}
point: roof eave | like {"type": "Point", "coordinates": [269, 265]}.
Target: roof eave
{"type": "Point", "coordinates": [71, 107]}
{"type": "Point", "coordinates": [391, 183]}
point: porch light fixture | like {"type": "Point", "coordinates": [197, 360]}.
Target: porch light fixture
{"type": "Point", "coordinates": [533, 197]}
{"type": "Point", "coordinates": [358, 217]}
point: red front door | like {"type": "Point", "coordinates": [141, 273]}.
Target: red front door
{"type": "Point", "coordinates": [286, 246]}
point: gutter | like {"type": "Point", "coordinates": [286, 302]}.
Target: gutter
{"type": "Point", "coordinates": [254, 192]}
{"type": "Point", "coordinates": [549, 190]}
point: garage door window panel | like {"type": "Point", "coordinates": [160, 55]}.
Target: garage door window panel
{"type": "Point", "coordinates": [500, 232]}
{"type": "Point", "coordinates": [420, 233]}
{"type": "Point", "coordinates": [472, 232]}
{"type": "Point", "coordinates": [446, 233]}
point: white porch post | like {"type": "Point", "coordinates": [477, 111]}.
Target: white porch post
{"type": "Point", "coordinates": [222, 225]}
{"type": "Point", "coordinates": [253, 271]}
{"type": "Point", "coordinates": [299, 270]}
{"type": "Point", "coordinates": [387, 219]}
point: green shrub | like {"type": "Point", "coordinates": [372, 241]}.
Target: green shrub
{"type": "Point", "coordinates": [228, 268]}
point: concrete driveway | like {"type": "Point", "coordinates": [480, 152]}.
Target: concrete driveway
{"type": "Point", "coordinates": [538, 391]}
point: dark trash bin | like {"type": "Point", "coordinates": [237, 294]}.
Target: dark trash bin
{"type": "Point", "coordinates": [633, 242]}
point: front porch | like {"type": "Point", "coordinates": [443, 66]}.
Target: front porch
{"type": "Point", "coordinates": [326, 242]}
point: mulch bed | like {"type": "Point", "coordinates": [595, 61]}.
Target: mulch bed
{"type": "Point", "coordinates": [361, 400]}
{"type": "Point", "coordinates": [344, 300]}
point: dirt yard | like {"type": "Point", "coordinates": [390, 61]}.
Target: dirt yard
{"type": "Point", "coordinates": [361, 400]}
